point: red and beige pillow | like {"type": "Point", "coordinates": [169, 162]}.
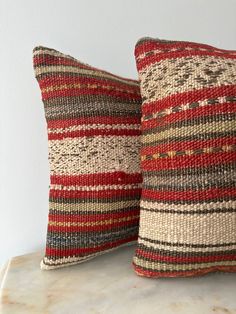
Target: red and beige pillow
{"type": "Point", "coordinates": [188, 158]}
{"type": "Point", "coordinates": [188, 203]}
{"type": "Point", "coordinates": [93, 119]}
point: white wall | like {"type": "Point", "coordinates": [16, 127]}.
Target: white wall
{"type": "Point", "coordinates": [102, 33]}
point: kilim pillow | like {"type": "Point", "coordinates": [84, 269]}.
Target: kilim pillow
{"type": "Point", "coordinates": [188, 203]}
{"type": "Point", "coordinates": [93, 120]}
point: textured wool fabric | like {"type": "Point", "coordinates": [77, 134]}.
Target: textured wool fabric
{"type": "Point", "coordinates": [93, 119]}
{"type": "Point", "coordinates": [188, 203]}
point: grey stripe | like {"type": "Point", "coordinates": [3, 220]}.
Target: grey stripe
{"type": "Point", "coordinates": [193, 181]}
{"type": "Point", "coordinates": [94, 212]}
{"type": "Point", "coordinates": [89, 239]}
{"type": "Point", "coordinates": [91, 101]}
{"type": "Point", "coordinates": [76, 107]}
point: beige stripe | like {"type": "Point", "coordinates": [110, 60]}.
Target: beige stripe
{"type": "Point", "coordinates": [94, 188]}
{"type": "Point", "coordinates": [178, 267]}
{"type": "Point", "coordinates": [213, 127]}
{"type": "Point", "coordinates": [188, 207]}
{"type": "Point", "coordinates": [217, 228]}
{"type": "Point", "coordinates": [99, 154]}
{"type": "Point", "coordinates": [200, 72]}
{"type": "Point", "coordinates": [95, 127]}
{"type": "Point", "coordinates": [91, 223]}
{"type": "Point", "coordinates": [185, 249]}
{"type": "Point", "coordinates": [74, 69]}
{"type": "Point", "coordinates": [91, 207]}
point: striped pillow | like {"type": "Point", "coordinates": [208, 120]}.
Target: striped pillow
{"type": "Point", "coordinates": [188, 203]}
{"type": "Point", "coordinates": [93, 119]}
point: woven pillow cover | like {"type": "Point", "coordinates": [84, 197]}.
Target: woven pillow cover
{"type": "Point", "coordinates": [188, 202]}
{"type": "Point", "coordinates": [93, 122]}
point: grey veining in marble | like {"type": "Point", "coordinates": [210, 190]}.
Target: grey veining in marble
{"type": "Point", "coordinates": [108, 285]}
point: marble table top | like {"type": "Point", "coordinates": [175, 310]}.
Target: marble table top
{"type": "Point", "coordinates": [108, 285]}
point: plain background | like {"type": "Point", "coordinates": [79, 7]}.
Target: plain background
{"type": "Point", "coordinates": [102, 33]}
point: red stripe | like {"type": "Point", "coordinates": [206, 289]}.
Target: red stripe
{"type": "Point", "coordinates": [116, 225]}
{"type": "Point", "coordinates": [147, 61]}
{"type": "Point", "coordinates": [148, 273]}
{"type": "Point", "coordinates": [189, 195]}
{"type": "Point", "coordinates": [55, 81]}
{"type": "Point", "coordinates": [88, 250]}
{"type": "Point", "coordinates": [94, 179]}
{"type": "Point", "coordinates": [189, 114]}
{"type": "Point", "coordinates": [93, 132]}
{"type": "Point", "coordinates": [180, 162]}
{"type": "Point", "coordinates": [94, 194]}
{"type": "Point", "coordinates": [188, 145]}
{"type": "Point", "coordinates": [73, 92]}
{"type": "Point", "coordinates": [151, 45]}
{"type": "Point", "coordinates": [93, 217]}
{"type": "Point", "coordinates": [177, 259]}
{"type": "Point", "coordinates": [188, 97]}
{"type": "Point", "coordinates": [108, 120]}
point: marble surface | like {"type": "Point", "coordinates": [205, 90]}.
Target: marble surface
{"type": "Point", "coordinates": [108, 285]}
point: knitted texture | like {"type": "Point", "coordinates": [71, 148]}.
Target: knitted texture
{"type": "Point", "coordinates": [93, 120]}
{"type": "Point", "coordinates": [188, 203]}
